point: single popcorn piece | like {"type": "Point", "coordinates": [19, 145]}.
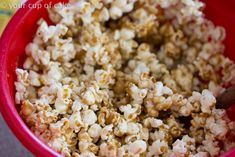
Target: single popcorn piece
{"type": "Point", "coordinates": [84, 145]}
{"type": "Point", "coordinates": [179, 148]}
{"type": "Point", "coordinates": [121, 128]}
{"type": "Point", "coordinates": [106, 131]}
{"type": "Point", "coordinates": [158, 147]}
{"type": "Point", "coordinates": [107, 151]}
{"type": "Point", "coordinates": [129, 111]}
{"type": "Point", "coordinates": [89, 117]}
{"type": "Point", "coordinates": [137, 147]}
{"type": "Point", "coordinates": [76, 121]}
{"type": "Point", "coordinates": [57, 144]}
{"type": "Point", "coordinates": [133, 128]}
{"type": "Point", "coordinates": [115, 12]}
{"type": "Point", "coordinates": [95, 131]}
{"type": "Point", "coordinates": [127, 34]}
{"type": "Point", "coordinates": [118, 78]}
{"type": "Point", "coordinates": [27, 108]}
{"type": "Point", "coordinates": [155, 123]}
{"type": "Point", "coordinates": [22, 76]}
{"type": "Point", "coordinates": [19, 96]}
{"type": "Point", "coordinates": [207, 101]}
{"type": "Point", "coordinates": [159, 89]}
{"type": "Point", "coordinates": [77, 105]}
{"type": "Point", "coordinates": [104, 15]}
{"type": "Point", "coordinates": [61, 106]}
{"type": "Point", "coordinates": [119, 7]}
{"type": "Point", "coordinates": [62, 101]}
{"type": "Point", "coordinates": [88, 97]}
{"type": "Point", "coordinates": [34, 79]}
{"type": "Point", "coordinates": [137, 94]}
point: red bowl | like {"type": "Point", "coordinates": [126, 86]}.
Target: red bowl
{"type": "Point", "coordinates": [20, 32]}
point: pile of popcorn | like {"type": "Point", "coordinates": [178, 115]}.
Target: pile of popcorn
{"type": "Point", "coordinates": [127, 78]}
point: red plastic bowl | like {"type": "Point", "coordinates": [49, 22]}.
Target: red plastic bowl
{"type": "Point", "coordinates": [21, 30]}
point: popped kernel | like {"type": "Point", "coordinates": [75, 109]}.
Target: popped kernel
{"type": "Point", "coordinates": [88, 117]}
{"type": "Point", "coordinates": [137, 147]}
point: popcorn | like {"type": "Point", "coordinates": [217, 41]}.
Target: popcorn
{"type": "Point", "coordinates": [121, 128]}
{"type": "Point", "coordinates": [200, 154]}
{"type": "Point", "coordinates": [84, 146]}
{"type": "Point", "coordinates": [158, 147]}
{"type": "Point", "coordinates": [28, 63]}
{"type": "Point", "coordinates": [88, 97]}
{"type": "Point", "coordinates": [117, 78]}
{"type": "Point", "coordinates": [86, 15]}
{"type": "Point", "coordinates": [104, 15]}
{"type": "Point", "coordinates": [184, 82]}
{"type": "Point", "coordinates": [95, 131]}
{"type": "Point", "coordinates": [34, 79]}
{"type": "Point", "coordinates": [127, 34]}
{"type": "Point", "coordinates": [84, 136]}
{"type": "Point", "coordinates": [129, 112]}
{"type": "Point", "coordinates": [131, 138]}
{"type": "Point", "coordinates": [104, 78]}
{"type": "Point", "coordinates": [76, 121]}
{"type": "Point", "coordinates": [121, 151]}
{"type": "Point", "coordinates": [57, 144]}
{"type": "Point", "coordinates": [27, 108]}
{"type": "Point", "coordinates": [50, 32]}
{"type": "Point", "coordinates": [144, 134]}
{"type": "Point", "coordinates": [115, 12]}
{"type": "Point", "coordinates": [22, 76]}
{"type": "Point", "coordinates": [77, 105]}
{"type": "Point", "coordinates": [215, 89]}
{"type": "Point", "coordinates": [158, 89]}
{"type": "Point", "coordinates": [207, 101]}
{"type": "Point", "coordinates": [53, 74]}
{"type": "Point", "coordinates": [209, 146]}
{"type": "Point", "coordinates": [107, 150]}
{"type": "Point", "coordinates": [137, 94]}
{"type": "Point", "coordinates": [87, 154]}
{"type": "Point", "coordinates": [106, 131]}
{"type": "Point", "coordinates": [161, 90]}
{"type": "Point", "coordinates": [62, 101]}
{"type": "Point", "coordinates": [179, 148]}
{"type": "Point", "coordinates": [161, 134]}
{"type": "Point", "coordinates": [217, 125]}
{"type": "Point", "coordinates": [63, 49]}
{"type": "Point", "coordinates": [89, 117]}
{"type": "Point", "coordinates": [56, 128]}
{"type": "Point", "coordinates": [119, 7]}
{"type": "Point", "coordinates": [137, 147]}
{"type": "Point", "coordinates": [133, 128]}
{"type": "Point", "coordinates": [21, 92]}
{"type": "Point", "coordinates": [155, 123]}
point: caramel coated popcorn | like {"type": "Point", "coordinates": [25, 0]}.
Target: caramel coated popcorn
{"type": "Point", "coordinates": [127, 78]}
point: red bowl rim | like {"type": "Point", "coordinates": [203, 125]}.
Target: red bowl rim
{"type": "Point", "coordinates": [7, 107]}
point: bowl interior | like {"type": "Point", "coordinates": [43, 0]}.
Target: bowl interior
{"type": "Point", "coordinates": [18, 36]}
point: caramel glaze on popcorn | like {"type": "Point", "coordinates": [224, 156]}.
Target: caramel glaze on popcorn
{"type": "Point", "coordinates": [127, 78]}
